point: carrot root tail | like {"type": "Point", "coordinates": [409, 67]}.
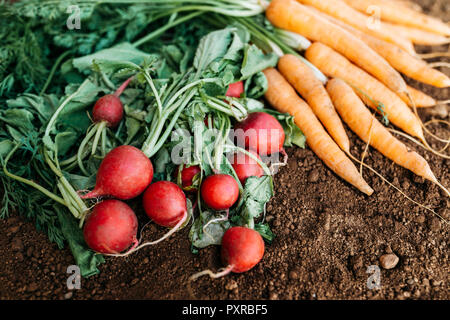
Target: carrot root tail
{"type": "Point", "coordinates": [402, 192]}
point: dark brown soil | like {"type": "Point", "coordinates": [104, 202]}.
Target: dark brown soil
{"type": "Point", "coordinates": [327, 235]}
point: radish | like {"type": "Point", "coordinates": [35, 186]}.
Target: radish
{"type": "Point", "coordinates": [219, 191]}
{"type": "Point", "coordinates": [245, 166]}
{"type": "Point", "coordinates": [107, 112]}
{"type": "Point", "coordinates": [188, 174]}
{"type": "Point", "coordinates": [262, 133]}
{"type": "Point", "coordinates": [235, 90]}
{"type": "Point", "coordinates": [124, 174]}
{"type": "Point", "coordinates": [111, 227]}
{"type": "Point", "coordinates": [242, 249]}
{"type": "Point", "coordinates": [165, 203]}
{"type": "Point", "coordinates": [109, 108]}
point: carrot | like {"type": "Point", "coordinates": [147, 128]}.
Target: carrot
{"type": "Point", "coordinates": [401, 60]}
{"type": "Point", "coordinates": [421, 99]}
{"type": "Point", "coordinates": [335, 65]}
{"type": "Point", "coordinates": [309, 87]}
{"type": "Point", "coordinates": [295, 17]}
{"type": "Point", "coordinates": [369, 129]}
{"type": "Point", "coordinates": [402, 15]}
{"type": "Point", "coordinates": [416, 36]}
{"type": "Point", "coordinates": [408, 4]}
{"type": "Point", "coordinates": [283, 98]}
{"type": "Point", "coordinates": [343, 12]}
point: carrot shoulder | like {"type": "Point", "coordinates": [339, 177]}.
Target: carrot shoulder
{"type": "Point", "coordinates": [390, 11]}
{"type": "Point", "coordinates": [283, 98]}
{"type": "Point", "coordinates": [312, 90]}
{"type": "Point", "coordinates": [293, 16]}
{"type": "Point", "coordinates": [343, 12]}
{"type": "Point", "coordinates": [336, 66]}
{"type": "Point", "coordinates": [398, 58]}
{"type": "Point", "coordinates": [368, 128]}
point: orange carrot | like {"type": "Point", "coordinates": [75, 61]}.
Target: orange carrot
{"type": "Point", "coordinates": [295, 17]}
{"type": "Point", "coordinates": [283, 98]}
{"type": "Point", "coordinates": [421, 99]}
{"type": "Point", "coordinates": [400, 14]}
{"type": "Point", "coordinates": [343, 12]}
{"type": "Point", "coordinates": [408, 4]}
{"type": "Point", "coordinates": [369, 129]}
{"type": "Point", "coordinates": [401, 60]}
{"type": "Point", "coordinates": [416, 36]}
{"type": "Point", "coordinates": [309, 87]}
{"type": "Point", "coordinates": [335, 65]}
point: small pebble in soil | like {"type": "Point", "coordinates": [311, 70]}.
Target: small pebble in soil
{"type": "Point", "coordinates": [293, 275]}
{"type": "Point", "coordinates": [327, 222]}
{"type": "Point", "coordinates": [388, 261]}
{"type": "Point", "coordinates": [68, 295]}
{"type": "Point", "coordinates": [313, 176]}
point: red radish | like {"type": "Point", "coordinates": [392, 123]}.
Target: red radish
{"type": "Point", "coordinates": [261, 132]}
{"type": "Point", "coordinates": [165, 203]}
{"type": "Point", "coordinates": [242, 249]}
{"type": "Point", "coordinates": [124, 173]}
{"type": "Point", "coordinates": [219, 191]}
{"type": "Point", "coordinates": [109, 108]}
{"type": "Point", "coordinates": [111, 227]}
{"type": "Point", "coordinates": [245, 166]}
{"type": "Point", "coordinates": [235, 90]}
{"type": "Point", "coordinates": [187, 176]}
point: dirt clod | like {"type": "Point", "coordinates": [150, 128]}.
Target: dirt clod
{"type": "Point", "coordinates": [16, 244]}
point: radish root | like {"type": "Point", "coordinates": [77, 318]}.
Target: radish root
{"type": "Point", "coordinates": [224, 218]}
{"type": "Point", "coordinates": [135, 248]}
{"type": "Point", "coordinates": [222, 272]}
{"type": "Point", "coordinates": [273, 166]}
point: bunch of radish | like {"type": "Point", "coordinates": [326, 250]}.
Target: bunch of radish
{"type": "Point", "coordinates": [126, 173]}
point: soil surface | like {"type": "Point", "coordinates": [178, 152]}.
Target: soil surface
{"type": "Point", "coordinates": [328, 234]}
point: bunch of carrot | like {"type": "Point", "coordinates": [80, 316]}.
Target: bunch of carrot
{"type": "Point", "coordinates": [363, 58]}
